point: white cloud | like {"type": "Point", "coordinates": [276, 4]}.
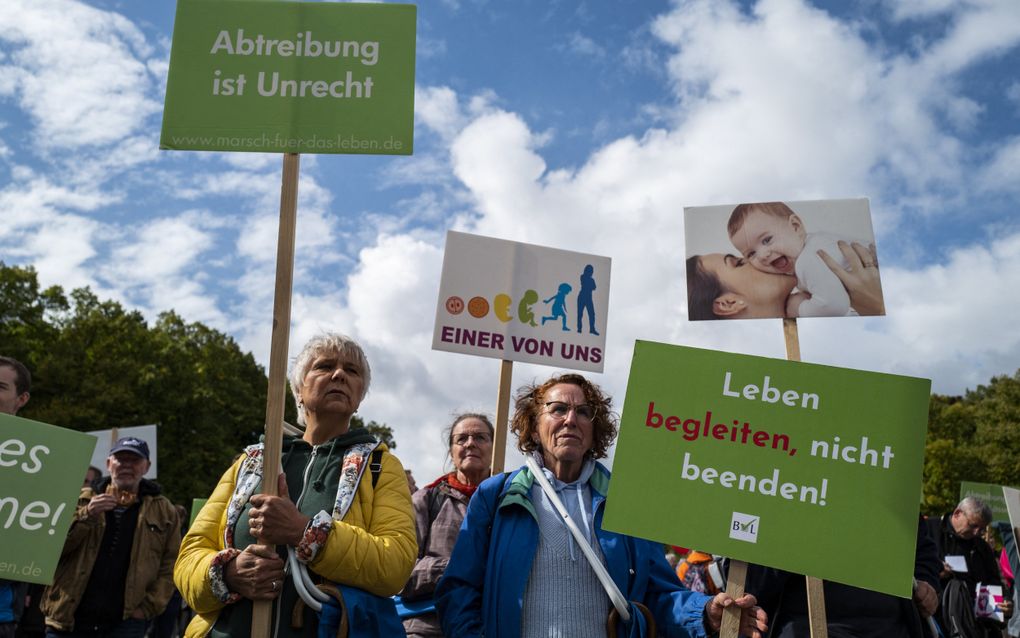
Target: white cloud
{"type": "Point", "coordinates": [252, 161]}
{"type": "Point", "coordinates": [60, 251]}
{"type": "Point", "coordinates": [393, 292]}
{"type": "Point", "coordinates": [315, 243]}
{"type": "Point", "coordinates": [75, 72]}
{"type": "Point", "coordinates": [814, 104]}
{"type": "Point", "coordinates": [1003, 171]}
{"type": "Point", "coordinates": [189, 299]}
{"type": "Point", "coordinates": [1013, 94]}
{"type": "Point", "coordinates": [584, 46]}
{"type": "Point", "coordinates": [979, 30]}
{"type": "Point", "coordinates": [911, 9]}
{"type": "Point", "coordinates": [103, 169]}
{"type": "Point", "coordinates": [45, 225]}
{"type": "Point", "coordinates": [161, 265]}
{"type": "Point", "coordinates": [430, 48]}
{"type": "Point", "coordinates": [437, 108]}
{"type": "Point", "coordinates": [161, 248]}
{"type": "Point", "coordinates": [494, 157]}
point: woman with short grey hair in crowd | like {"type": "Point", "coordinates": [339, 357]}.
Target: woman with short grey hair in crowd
{"type": "Point", "coordinates": [349, 522]}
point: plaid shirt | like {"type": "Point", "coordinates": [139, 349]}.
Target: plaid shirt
{"type": "Point", "coordinates": [436, 539]}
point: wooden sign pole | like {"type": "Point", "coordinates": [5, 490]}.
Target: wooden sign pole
{"type": "Point", "coordinates": [738, 569]}
{"type": "Point", "coordinates": [792, 340]}
{"type": "Point", "coordinates": [735, 580]}
{"type": "Point", "coordinates": [262, 611]}
{"type": "Point", "coordinates": [502, 417]}
{"type": "Point", "coordinates": [815, 589]}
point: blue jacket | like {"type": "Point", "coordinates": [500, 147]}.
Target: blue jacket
{"type": "Point", "coordinates": [12, 600]}
{"type": "Point", "coordinates": [481, 592]}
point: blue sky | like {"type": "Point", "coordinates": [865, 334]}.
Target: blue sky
{"type": "Point", "coordinates": [586, 126]}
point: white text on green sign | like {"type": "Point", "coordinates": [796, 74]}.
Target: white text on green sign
{"type": "Point", "coordinates": [764, 454]}
{"type": "Point", "coordinates": [291, 77]}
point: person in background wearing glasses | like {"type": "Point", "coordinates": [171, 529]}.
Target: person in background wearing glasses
{"type": "Point", "coordinates": [439, 509]}
{"type": "Point", "coordinates": [958, 536]}
{"type": "Point", "coordinates": [518, 569]}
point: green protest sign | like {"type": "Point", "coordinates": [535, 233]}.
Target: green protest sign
{"type": "Point", "coordinates": [196, 506]}
{"type": "Point", "coordinates": [989, 493]}
{"type": "Point", "coordinates": [41, 472]}
{"type": "Point", "coordinates": [807, 468]}
{"type": "Point", "coordinates": [291, 77]}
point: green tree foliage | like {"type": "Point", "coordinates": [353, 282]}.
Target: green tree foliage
{"type": "Point", "coordinates": [381, 431]}
{"type": "Point", "coordinates": [26, 312]}
{"type": "Point", "coordinates": [975, 437]}
{"type": "Point", "coordinates": [96, 365]}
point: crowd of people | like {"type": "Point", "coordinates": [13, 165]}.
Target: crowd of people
{"type": "Point", "coordinates": [349, 544]}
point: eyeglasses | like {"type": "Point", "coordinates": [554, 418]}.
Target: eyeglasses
{"type": "Point", "coordinates": [976, 525]}
{"type": "Point", "coordinates": [559, 410]}
{"type": "Point", "coordinates": [973, 523]}
{"type": "Point", "coordinates": [480, 438]}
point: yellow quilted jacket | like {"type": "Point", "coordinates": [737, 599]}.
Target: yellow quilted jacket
{"type": "Point", "coordinates": [373, 548]}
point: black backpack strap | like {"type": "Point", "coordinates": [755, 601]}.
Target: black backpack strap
{"type": "Point", "coordinates": [435, 502]}
{"type": "Point", "coordinates": [375, 466]}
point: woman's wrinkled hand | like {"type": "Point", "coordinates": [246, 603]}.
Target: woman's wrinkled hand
{"type": "Point", "coordinates": [753, 619]}
{"type": "Point", "coordinates": [275, 519]}
{"type": "Point", "coordinates": [256, 573]}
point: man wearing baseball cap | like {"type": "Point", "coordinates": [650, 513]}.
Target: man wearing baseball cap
{"type": "Point", "coordinates": [116, 570]}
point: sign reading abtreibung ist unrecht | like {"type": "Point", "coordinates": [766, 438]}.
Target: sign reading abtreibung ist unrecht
{"type": "Point", "coordinates": [808, 468]}
{"type": "Point", "coordinates": [291, 77]}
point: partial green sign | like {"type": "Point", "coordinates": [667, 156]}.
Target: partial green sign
{"type": "Point", "coordinates": [807, 468]}
{"type": "Point", "coordinates": [291, 77]}
{"type": "Point", "coordinates": [42, 468]}
{"type": "Point", "coordinates": [196, 506]}
{"type": "Point", "coordinates": [989, 493]}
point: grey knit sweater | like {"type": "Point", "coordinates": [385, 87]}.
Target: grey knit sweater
{"type": "Point", "coordinates": [564, 597]}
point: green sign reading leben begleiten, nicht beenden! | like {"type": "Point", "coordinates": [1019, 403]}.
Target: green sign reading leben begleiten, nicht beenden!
{"type": "Point", "coordinates": [808, 468]}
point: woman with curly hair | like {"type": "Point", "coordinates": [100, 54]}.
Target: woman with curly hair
{"type": "Point", "coordinates": [532, 557]}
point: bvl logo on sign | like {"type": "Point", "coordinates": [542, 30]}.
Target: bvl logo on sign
{"type": "Point", "coordinates": [744, 527]}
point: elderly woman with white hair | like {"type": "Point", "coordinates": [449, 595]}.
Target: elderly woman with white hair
{"type": "Point", "coordinates": [343, 515]}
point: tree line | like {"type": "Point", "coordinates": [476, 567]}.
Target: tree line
{"type": "Point", "coordinates": [974, 437]}
{"type": "Point", "coordinates": [97, 365]}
